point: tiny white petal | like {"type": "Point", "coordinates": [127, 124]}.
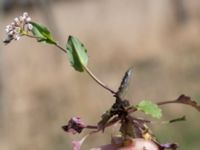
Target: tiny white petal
{"type": "Point", "coordinates": [25, 14]}
{"type": "Point", "coordinates": [17, 37]}
{"type": "Point", "coordinates": [16, 20]}
{"type": "Point", "coordinates": [8, 28]}
{"type": "Point", "coordinates": [28, 19]}
{"type": "Point", "coordinates": [11, 32]}
{"type": "Point", "coordinates": [30, 27]}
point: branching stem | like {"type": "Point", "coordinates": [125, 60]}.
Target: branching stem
{"type": "Point", "coordinates": [85, 67]}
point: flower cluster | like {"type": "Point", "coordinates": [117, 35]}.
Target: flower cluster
{"type": "Point", "coordinates": [18, 27]}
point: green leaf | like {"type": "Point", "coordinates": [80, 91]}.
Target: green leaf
{"type": "Point", "coordinates": [77, 53]}
{"type": "Point", "coordinates": [150, 108]}
{"type": "Point", "coordinates": [42, 33]}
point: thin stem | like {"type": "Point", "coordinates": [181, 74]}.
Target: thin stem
{"type": "Point", "coordinates": [141, 120]}
{"type": "Point", "coordinates": [90, 73]}
{"type": "Point", "coordinates": [61, 48]}
{"type": "Point", "coordinates": [166, 102]}
{"type": "Point", "coordinates": [131, 109]}
{"type": "Point", "coordinates": [98, 81]}
{"type": "Point", "coordinates": [110, 123]}
{"type": "Point", "coordinates": [91, 127]}
{"type": "Point", "coordinates": [56, 44]}
{"type": "Point", "coordinates": [85, 67]}
{"type": "Point", "coordinates": [31, 36]}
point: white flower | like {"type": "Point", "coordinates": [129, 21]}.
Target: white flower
{"type": "Point", "coordinates": [16, 21]}
{"type": "Point", "coordinates": [25, 14]}
{"type": "Point", "coordinates": [30, 27]}
{"type": "Point", "coordinates": [19, 26]}
{"type": "Point", "coordinates": [8, 28]}
{"type": "Point", "coordinates": [28, 19]}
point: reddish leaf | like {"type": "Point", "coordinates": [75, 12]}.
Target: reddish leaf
{"type": "Point", "coordinates": [182, 99]}
{"type": "Point", "coordinates": [187, 100]}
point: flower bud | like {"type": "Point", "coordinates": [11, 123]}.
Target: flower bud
{"type": "Point", "coordinates": [30, 27]}
{"type": "Point", "coordinates": [28, 19]}
{"type": "Point", "coordinates": [25, 14]}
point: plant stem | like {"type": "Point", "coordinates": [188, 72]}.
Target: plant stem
{"type": "Point", "coordinates": [98, 81]}
{"type": "Point", "coordinates": [91, 127]}
{"type": "Point", "coordinates": [166, 102]}
{"type": "Point", "coordinates": [56, 44]}
{"type": "Point", "coordinates": [90, 73]}
{"type": "Point", "coordinates": [61, 48]}
{"type": "Point", "coordinates": [31, 36]}
{"type": "Point", "coordinates": [85, 67]}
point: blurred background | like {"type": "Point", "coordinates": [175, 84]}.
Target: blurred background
{"type": "Point", "coordinates": [40, 91]}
